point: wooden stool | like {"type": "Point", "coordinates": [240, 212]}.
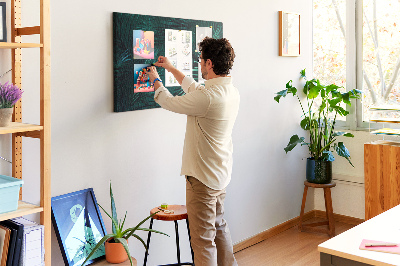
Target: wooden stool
{"type": "Point", "coordinates": [180, 213]}
{"type": "Point", "coordinates": [328, 207]}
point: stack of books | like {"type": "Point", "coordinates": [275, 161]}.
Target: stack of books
{"type": "Point", "coordinates": [21, 243]}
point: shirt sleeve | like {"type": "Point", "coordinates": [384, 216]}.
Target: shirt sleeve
{"type": "Point", "coordinates": [189, 85]}
{"type": "Point", "coordinates": [195, 103]}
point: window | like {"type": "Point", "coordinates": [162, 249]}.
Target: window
{"type": "Point", "coordinates": [363, 54]}
{"type": "Point", "coordinates": [329, 66]}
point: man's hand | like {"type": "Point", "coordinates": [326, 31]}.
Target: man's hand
{"type": "Point", "coordinates": [152, 72]}
{"type": "Point", "coordinates": [165, 63]}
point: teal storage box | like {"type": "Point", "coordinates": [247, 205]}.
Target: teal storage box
{"type": "Point", "coordinates": [9, 193]}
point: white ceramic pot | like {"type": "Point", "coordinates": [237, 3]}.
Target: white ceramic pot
{"type": "Point", "coordinates": [6, 116]}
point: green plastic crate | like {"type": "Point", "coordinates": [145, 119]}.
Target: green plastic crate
{"type": "Point", "coordinates": [9, 193]}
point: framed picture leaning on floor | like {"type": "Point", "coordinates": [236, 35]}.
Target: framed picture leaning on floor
{"type": "Point", "coordinates": [78, 226]}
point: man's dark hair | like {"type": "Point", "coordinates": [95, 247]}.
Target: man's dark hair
{"type": "Point", "coordinates": [220, 52]}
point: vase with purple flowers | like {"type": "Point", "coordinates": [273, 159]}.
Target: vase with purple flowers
{"type": "Point", "coordinates": [9, 95]}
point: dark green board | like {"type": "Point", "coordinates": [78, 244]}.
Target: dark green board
{"type": "Point", "coordinates": [123, 26]}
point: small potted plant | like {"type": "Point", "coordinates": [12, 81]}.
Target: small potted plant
{"type": "Point", "coordinates": [324, 105]}
{"type": "Point", "coordinates": [9, 95]}
{"type": "Point", "coordinates": [116, 243]}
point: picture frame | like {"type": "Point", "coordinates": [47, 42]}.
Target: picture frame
{"type": "Point", "coordinates": [289, 34]}
{"type": "Point", "coordinates": [3, 24]}
{"type": "Point", "coordinates": [78, 226]}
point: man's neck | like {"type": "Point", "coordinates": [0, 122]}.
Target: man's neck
{"type": "Point", "coordinates": [211, 75]}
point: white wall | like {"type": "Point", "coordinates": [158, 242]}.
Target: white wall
{"type": "Point", "coordinates": [141, 151]}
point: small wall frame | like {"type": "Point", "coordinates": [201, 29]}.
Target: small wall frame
{"type": "Point", "coordinates": [3, 27]}
{"type": "Point", "coordinates": [289, 34]}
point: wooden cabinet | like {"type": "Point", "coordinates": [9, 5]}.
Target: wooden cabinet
{"type": "Point", "coordinates": [382, 177]}
{"type": "Point", "coordinates": [18, 129]}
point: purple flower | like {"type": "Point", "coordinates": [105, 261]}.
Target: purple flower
{"type": "Point", "coordinates": [9, 95]}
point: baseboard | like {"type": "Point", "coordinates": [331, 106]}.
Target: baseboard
{"type": "Point", "coordinates": [271, 232]}
{"type": "Point", "coordinates": [289, 224]}
{"type": "Point", "coordinates": [340, 218]}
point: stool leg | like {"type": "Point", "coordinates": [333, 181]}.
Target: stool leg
{"type": "Point", "coordinates": [178, 252]}
{"type": "Point", "coordinates": [190, 240]}
{"type": "Point", "coordinates": [303, 204]}
{"type": "Point", "coordinates": [329, 211]}
{"type": "Point", "coordinates": [148, 242]}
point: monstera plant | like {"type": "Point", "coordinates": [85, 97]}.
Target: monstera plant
{"type": "Point", "coordinates": [323, 104]}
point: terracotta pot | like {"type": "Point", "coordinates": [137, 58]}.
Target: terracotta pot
{"type": "Point", "coordinates": [115, 252]}
{"type": "Point", "coordinates": [5, 116]}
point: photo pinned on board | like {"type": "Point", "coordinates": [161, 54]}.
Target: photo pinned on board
{"type": "Point", "coordinates": [143, 44]}
{"type": "Point", "coordinates": [178, 49]}
{"type": "Point", "coordinates": [141, 79]}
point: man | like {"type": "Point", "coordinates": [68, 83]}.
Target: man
{"type": "Point", "coordinates": [207, 155]}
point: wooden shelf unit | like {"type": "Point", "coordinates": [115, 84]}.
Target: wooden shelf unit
{"type": "Point", "coordinates": [42, 131]}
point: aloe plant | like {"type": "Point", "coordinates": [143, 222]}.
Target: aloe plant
{"type": "Point", "coordinates": [320, 124]}
{"type": "Point", "coordinates": [119, 234]}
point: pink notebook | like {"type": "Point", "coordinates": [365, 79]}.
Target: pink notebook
{"type": "Point", "coordinates": [393, 249]}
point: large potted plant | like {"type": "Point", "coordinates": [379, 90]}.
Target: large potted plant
{"type": "Point", "coordinates": [116, 243]}
{"type": "Point", "coordinates": [9, 95]}
{"type": "Point", "coordinates": [324, 104]}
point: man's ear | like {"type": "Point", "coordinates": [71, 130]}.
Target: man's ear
{"type": "Point", "coordinates": [209, 63]}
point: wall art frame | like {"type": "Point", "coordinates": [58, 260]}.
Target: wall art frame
{"type": "Point", "coordinates": [289, 34]}
{"type": "Point", "coordinates": [78, 225]}
{"type": "Point", "coordinates": [3, 22]}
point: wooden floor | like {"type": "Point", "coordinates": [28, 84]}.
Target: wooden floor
{"type": "Point", "coordinates": [290, 247]}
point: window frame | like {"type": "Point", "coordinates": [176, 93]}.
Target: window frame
{"type": "Point", "coordinates": [354, 70]}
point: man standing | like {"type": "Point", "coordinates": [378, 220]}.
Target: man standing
{"type": "Point", "coordinates": [207, 154]}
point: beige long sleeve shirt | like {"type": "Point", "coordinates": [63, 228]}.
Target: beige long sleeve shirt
{"type": "Point", "coordinates": [211, 113]}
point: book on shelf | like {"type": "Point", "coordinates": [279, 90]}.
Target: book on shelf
{"type": "Point", "coordinates": [11, 245]}
{"type": "Point", "coordinates": [32, 250]}
{"type": "Point", "coordinates": [13, 260]}
{"type": "Point", "coordinates": [5, 234]}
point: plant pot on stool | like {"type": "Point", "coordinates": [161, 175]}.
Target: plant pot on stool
{"type": "Point", "coordinates": [318, 171]}
{"type": "Point", "coordinates": [115, 252]}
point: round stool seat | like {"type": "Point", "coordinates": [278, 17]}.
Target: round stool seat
{"type": "Point", "coordinates": [180, 213]}
{"type": "Point", "coordinates": [308, 184]}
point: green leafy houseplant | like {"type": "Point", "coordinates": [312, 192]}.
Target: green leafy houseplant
{"type": "Point", "coordinates": [120, 235]}
{"type": "Point", "coordinates": [321, 122]}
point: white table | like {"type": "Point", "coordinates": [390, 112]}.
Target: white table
{"type": "Point", "coordinates": [344, 248]}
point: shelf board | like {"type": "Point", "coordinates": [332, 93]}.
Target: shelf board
{"type": "Point", "coordinates": [16, 127]}
{"type": "Point", "coordinates": [385, 107]}
{"type": "Point", "coordinates": [24, 208]}
{"type": "Point", "coordinates": [10, 45]}
{"type": "Point", "coordinates": [387, 131]}
{"type": "Point", "coordinates": [385, 120]}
